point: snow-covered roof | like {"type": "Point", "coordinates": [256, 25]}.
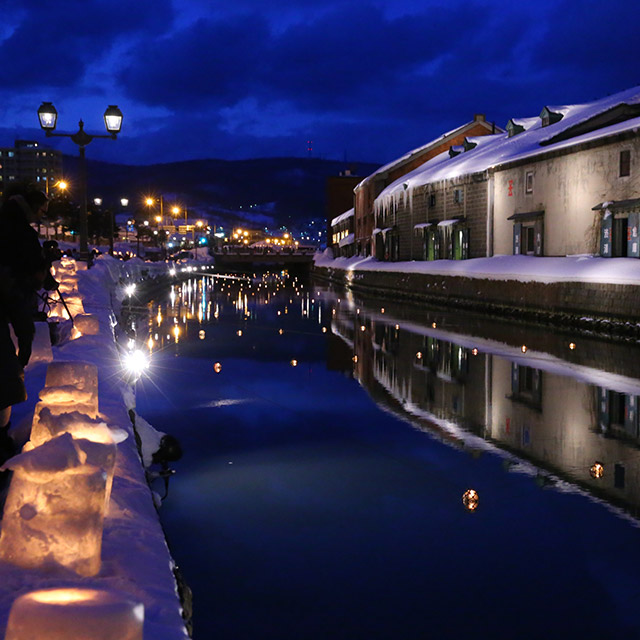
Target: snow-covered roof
{"type": "Point", "coordinates": [498, 149]}
{"type": "Point", "coordinates": [350, 239]}
{"type": "Point", "coordinates": [525, 123]}
{"type": "Point", "coordinates": [420, 150]}
{"type": "Point", "coordinates": [343, 216]}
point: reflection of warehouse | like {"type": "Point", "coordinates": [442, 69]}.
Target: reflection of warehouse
{"type": "Point", "coordinates": [554, 414]}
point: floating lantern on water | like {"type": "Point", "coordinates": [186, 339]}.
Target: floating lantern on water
{"type": "Point", "coordinates": [363, 328]}
{"type": "Point", "coordinates": [55, 508]}
{"type": "Point", "coordinates": [470, 499]}
{"type": "Point", "coordinates": [294, 363]}
{"type": "Point", "coordinates": [419, 355]}
{"type": "Point", "coordinates": [280, 331]}
{"type": "Point", "coordinates": [397, 327]}
{"type": "Point", "coordinates": [572, 345]}
{"type": "Point", "coordinates": [355, 359]}
{"type": "Point", "coordinates": [324, 329]}
{"type": "Point", "coordinates": [201, 334]}
{"type": "Point", "coordinates": [239, 333]}
{"type": "Point", "coordinates": [382, 310]}
{"type": "Point", "coordinates": [217, 367]}
{"type": "Point", "coordinates": [60, 614]}
{"type": "Point", "coordinates": [597, 470]}
{"type": "Point", "coordinates": [474, 352]}
{"type": "Point", "coordinates": [433, 325]}
{"type": "Point", "coordinates": [523, 348]}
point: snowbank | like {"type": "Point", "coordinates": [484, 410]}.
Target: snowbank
{"type": "Point", "coordinates": [135, 558]}
{"type": "Point", "coordinates": [583, 268]}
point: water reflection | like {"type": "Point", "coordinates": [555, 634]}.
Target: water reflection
{"type": "Point", "coordinates": [576, 422]}
{"type": "Point", "coordinates": [569, 413]}
{"type": "Point", "coordinates": [327, 517]}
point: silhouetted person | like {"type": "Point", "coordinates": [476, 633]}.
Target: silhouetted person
{"type": "Point", "coordinates": [23, 263]}
{"type": "Point", "coordinates": [22, 271]}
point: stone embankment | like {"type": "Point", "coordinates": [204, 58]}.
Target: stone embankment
{"type": "Point", "coordinates": [608, 309]}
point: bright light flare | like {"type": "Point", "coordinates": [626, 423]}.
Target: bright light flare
{"type": "Point", "coordinates": [135, 363]}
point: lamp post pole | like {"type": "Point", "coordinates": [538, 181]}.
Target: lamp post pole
{"type": "Point", "coordinates": [113, 122]}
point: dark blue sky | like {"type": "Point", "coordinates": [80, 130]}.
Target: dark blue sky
{"type": "Point", "coordinates": [364, 80]}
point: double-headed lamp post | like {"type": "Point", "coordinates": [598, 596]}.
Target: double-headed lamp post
{"type": "Point", "coordinates": [113, 122]}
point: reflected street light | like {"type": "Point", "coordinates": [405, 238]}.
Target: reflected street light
{"type": "Point", "coordinates": [48, 116]}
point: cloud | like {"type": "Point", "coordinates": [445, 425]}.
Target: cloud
{"type": "Point", "coordinates": [208, 63]}
{"type": "Point", "coordinates": [590, 47]}
{"type": "Point", "coordinates": [54, 48]}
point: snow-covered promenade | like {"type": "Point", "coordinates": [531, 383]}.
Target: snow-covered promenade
{"type": "Point", "coordinates": [135, 559]}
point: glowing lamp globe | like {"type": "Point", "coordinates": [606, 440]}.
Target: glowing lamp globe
{"type": "Point", "coordinates": [48, 116]}
{"type": "Point", "coordinates": [113, 119]}
{"type": "Point", "coordinates": [61, 614]}
{"type": "Point", "coordinates": [54, 513]}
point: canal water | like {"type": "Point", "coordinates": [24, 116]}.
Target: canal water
{"type": "Point", "coordinates": [329, 447]}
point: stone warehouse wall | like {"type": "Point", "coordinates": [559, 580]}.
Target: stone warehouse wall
{"type": "Point", "coordinates": [605, 308]}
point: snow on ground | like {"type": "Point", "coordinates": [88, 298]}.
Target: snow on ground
{"type": "Point", "coordinates": [582, 268]}
{"type": "Point", "coordinates": [135, 558]}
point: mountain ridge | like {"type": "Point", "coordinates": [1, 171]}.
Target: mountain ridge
{"type": "Point", "coordinates": [285, 189]}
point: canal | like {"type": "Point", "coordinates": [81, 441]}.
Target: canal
{"type": "Point", "coordinates": [329, 441]}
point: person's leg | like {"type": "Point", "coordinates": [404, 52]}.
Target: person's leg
{"type": "Point", "coordinates": [21, 318]}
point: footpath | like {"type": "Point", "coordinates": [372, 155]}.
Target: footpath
{"type": "Point", "coordinates": [584, 292]}
{"type": "Point", "coordinates": [80, 520]}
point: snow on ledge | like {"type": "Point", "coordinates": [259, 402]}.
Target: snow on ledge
{"type": "Point", "coordinates": [579, 268]}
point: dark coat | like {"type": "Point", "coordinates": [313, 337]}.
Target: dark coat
{"type": "Point", "coordinates": [20, 249]}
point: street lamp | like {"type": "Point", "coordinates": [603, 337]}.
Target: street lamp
{"type": "Point", "coordinates": [48, 117]}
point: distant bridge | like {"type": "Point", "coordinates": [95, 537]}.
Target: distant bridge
{"type": "Point", "coordinates": [251, 257]}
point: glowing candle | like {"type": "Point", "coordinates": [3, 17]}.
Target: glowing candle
{"type": "Point", "coordinates": [60, 614]}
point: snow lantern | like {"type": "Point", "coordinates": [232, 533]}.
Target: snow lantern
{"type": "Point", "coordinates": [60, 614]}
{"type": "Point", "coordinates": [71, 386]}
{"type": "Point", "coordinates": [87, 324]}
{"type": "Point", "coordinates": [55, 508]}
{"type": "Point", "coordinates": [48, 424]}
{"type": "Point", "coordinates": [41, 345]}
{"type": "Point", "coordinates": [94, 437]}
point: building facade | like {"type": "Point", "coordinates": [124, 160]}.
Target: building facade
{"type": "Point", "coordinates": [563, 183]}
{"type": "Point", "coordinates": [371, 187]}
{"type": "Point", "coordinates": [27, 161]}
